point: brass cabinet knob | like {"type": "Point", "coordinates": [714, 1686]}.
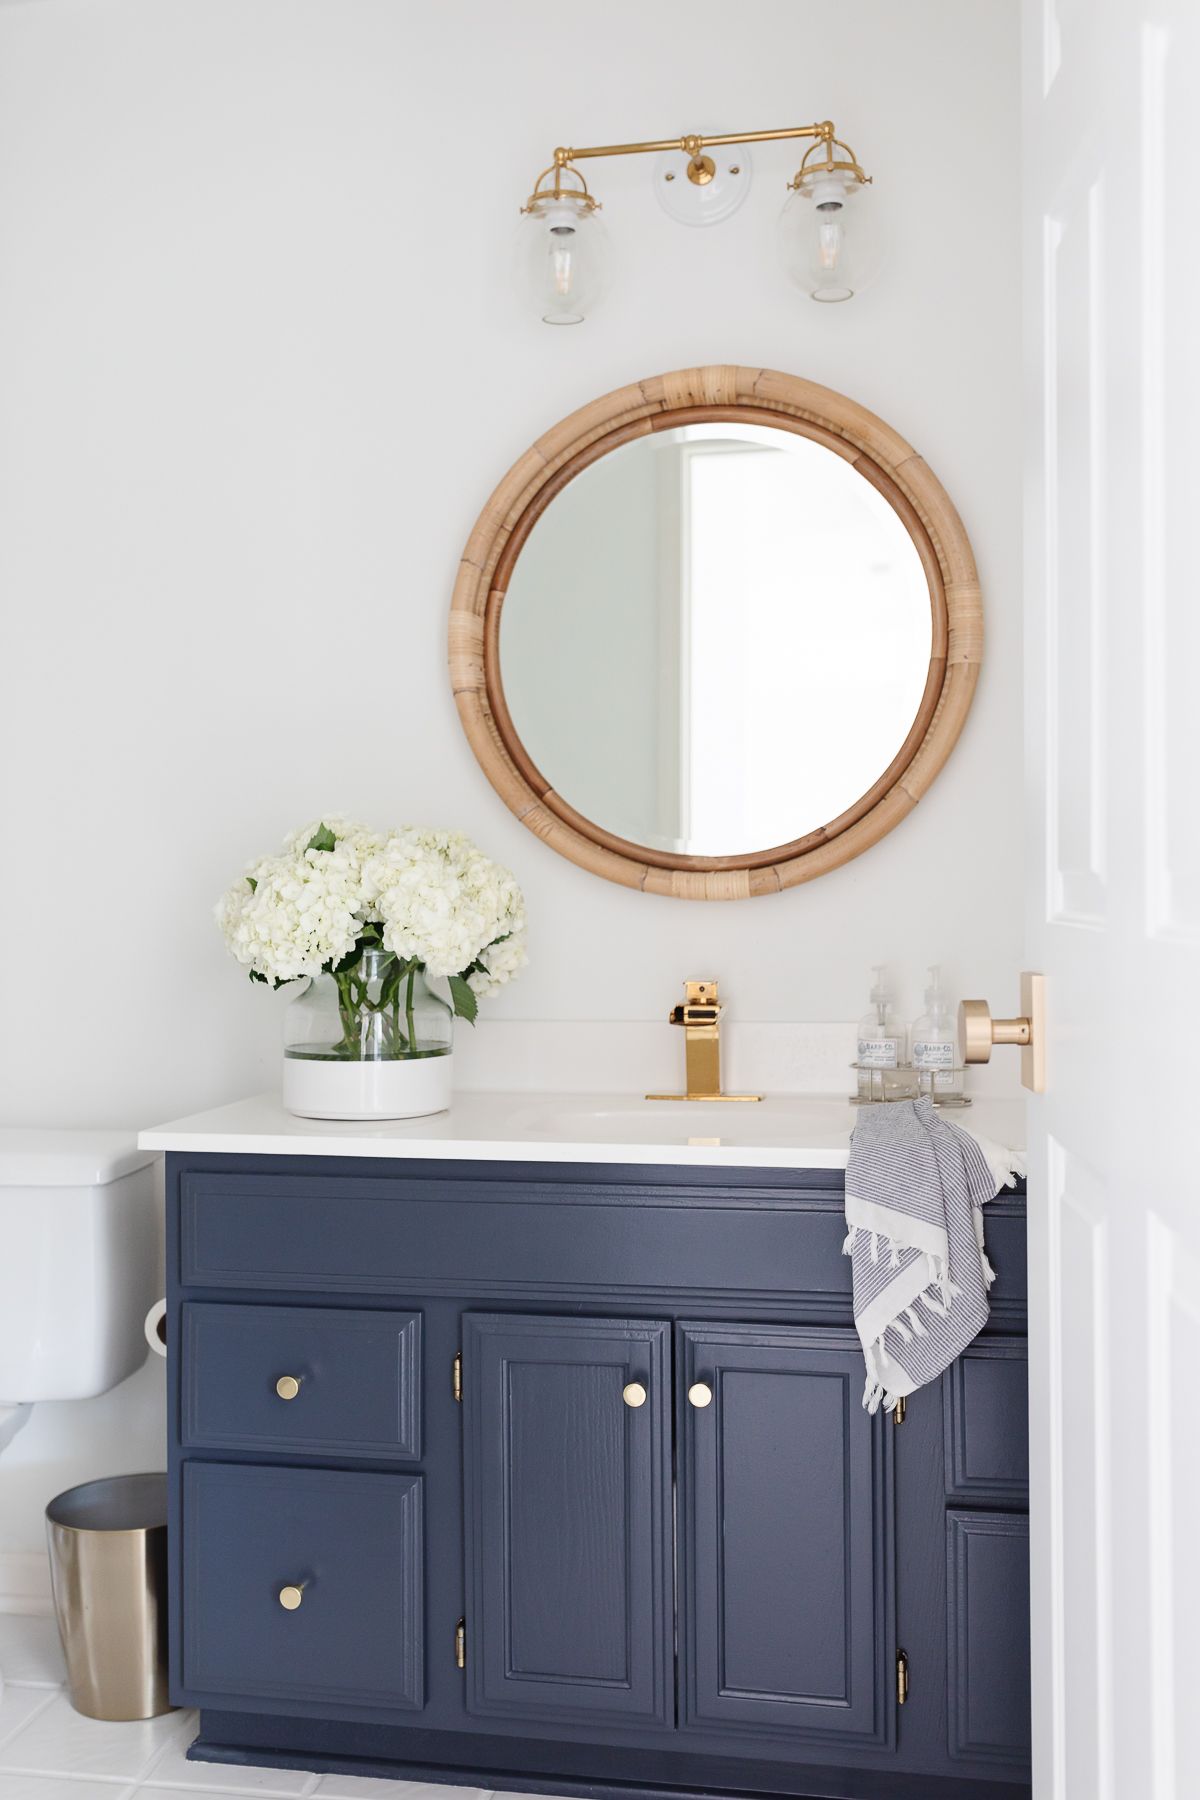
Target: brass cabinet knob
{"type": "Point", "coordinates": [287, 1387]}
{"type": "Point", "coordinates": [634, 1394]}
{"type": "Point", "coordinates": [700, 1394]}
{"type": "Point", "coordinates": [290, 1597]}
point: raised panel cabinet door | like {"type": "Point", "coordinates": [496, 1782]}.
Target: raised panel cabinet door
{"type": "Point", "coordinates": [987, 1625]}
{"type": "Point", "coordinates": [567, 1465]}
{"type": "Point", "coordinates": [786, 1524]}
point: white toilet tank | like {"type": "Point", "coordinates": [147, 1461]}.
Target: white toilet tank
{"type": "Point", "coordinates": [79, 1261]}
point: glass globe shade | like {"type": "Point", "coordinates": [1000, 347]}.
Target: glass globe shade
{"type": "Point", "coordinates": [820, 242]}
{"type": "Point", "coordinates": [563, 250]}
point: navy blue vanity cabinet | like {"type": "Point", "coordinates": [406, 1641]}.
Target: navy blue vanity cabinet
{"type": "Point", "coordinates": [557, 1479]}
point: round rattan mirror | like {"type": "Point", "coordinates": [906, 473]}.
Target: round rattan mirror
{"type": "Point", "coordinates": [715, 633]}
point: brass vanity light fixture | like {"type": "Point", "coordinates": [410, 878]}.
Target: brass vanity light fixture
{"type": "Point", "coordinates": [978, 1031]}
{"type": "Point", "coordinates": [700, 1016]}
{"type": "Point", "coordinates": [564, 249]}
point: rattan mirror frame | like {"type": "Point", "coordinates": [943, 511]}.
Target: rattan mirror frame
{"type": "Point", "coordinates": [758, 396]}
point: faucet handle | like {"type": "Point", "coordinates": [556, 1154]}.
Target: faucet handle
{"type": "Point", "coordinates": [700, 1005]}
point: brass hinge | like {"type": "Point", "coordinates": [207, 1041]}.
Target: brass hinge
{"type": "Point", "coordinates": [901, 1677]}
{"type": "Point", "coordinates": [460, 1644]}
{"type": "Point", "coordinates": [456, 1378]}
{"type": "Point", "coordinates": [898, 1411]}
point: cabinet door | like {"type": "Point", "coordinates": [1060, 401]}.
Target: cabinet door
{"type": "Point", "coordinates": [568, 1518]}
{"type": "Point", "coordinates": [787, 1536]}
{"type": "Point", "coordinates": [987, 1606]}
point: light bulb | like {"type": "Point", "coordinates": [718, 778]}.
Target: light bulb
{"type": "Point", "coordinates": [564, 257]}
{"type": "Point", "coordinates": [817, 249]}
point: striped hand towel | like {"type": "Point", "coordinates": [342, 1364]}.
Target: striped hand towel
{"type": "Point", "coordinates": [915, 1190]}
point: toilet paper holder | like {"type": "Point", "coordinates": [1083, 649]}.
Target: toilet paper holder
{"type": "Point", "coordinates": [156, 1328]}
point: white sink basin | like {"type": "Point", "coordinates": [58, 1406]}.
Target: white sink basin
{"type": "Point", "coordinates": [782, 1123]}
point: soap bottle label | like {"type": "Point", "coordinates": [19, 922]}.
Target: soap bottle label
{"type": "Point", "coordinates": [879, 1053]}
{"type": "Point", "coordinates": [927, 1055]}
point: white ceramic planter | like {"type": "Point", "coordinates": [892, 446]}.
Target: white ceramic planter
{"type": "Point", "coordinates": [315, 1088]}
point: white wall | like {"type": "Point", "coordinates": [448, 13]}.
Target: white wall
{"type": "Point", "coordinates": [261, 365]}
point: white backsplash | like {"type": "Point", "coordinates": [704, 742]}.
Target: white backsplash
{"type": "Point", "coordinates": [610, 1056]}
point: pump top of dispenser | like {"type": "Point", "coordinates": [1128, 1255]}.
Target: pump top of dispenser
{"type": "Point", "coordinates": [936, 1003]}
{"type": "Point", "coordinates": [879, 1036]}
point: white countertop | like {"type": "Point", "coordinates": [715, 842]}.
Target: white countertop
{"type": "Point", "coordinates": [781, 1132]}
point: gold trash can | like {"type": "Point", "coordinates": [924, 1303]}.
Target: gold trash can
{"type": "Point", "coordinates": [108, 1570]}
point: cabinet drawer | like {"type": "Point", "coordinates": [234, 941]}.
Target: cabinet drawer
{"type": "Point", "coordinates": [986, 1401]}
{"type": "Point", "coordinates": [354, 1379]}
{"type": "Point", "coordinates": [348, 1234]}
{"type": "Point", "coordinates": [351, 1544]}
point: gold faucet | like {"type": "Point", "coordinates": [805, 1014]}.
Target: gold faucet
{"type": "Point", "coordinates": [700, 1016]}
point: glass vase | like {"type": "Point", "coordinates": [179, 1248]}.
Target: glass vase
{"type": "Point", "coordinates": [373, 1041]}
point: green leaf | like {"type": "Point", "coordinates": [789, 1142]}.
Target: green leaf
{"type": "Point", "coordinates": [252, 884]}
{"type": "Point", "coordinates": [275, 982]}
{"type": "Point", "coordinates": [321, 839]}
{"type": "Point", "coordinates": [466, 1002]}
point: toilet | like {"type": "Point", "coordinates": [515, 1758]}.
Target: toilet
{"type": "Point", "coordinates": [79, 1265]}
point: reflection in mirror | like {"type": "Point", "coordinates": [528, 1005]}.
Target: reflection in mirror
{"type": "Point", "coordinates": [716, 639]}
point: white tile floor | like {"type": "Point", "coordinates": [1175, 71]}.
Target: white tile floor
{"type": "Point", "coordinates": [50, 1752]}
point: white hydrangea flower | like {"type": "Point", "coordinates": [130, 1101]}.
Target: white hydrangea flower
{"type": "Point", "coordinates": [501, 962]}
{"type": "Point", "coordinates": [439, 901]}
{"type": "Point", "coordinates": [293, 913]}
{"type": "Point", "coordinates": [358, 842]}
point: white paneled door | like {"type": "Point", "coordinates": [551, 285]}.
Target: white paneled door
{"type": "Point", "coordinates": [1111, 163]}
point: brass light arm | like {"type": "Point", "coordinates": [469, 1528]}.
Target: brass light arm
{"type": "Point", "coordinates": [694, 143]}
{"type": "Point", "coordinates": [701, 167]}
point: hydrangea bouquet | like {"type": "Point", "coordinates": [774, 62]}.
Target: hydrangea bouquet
{"type": "Point", "coordinates": [395, 919]}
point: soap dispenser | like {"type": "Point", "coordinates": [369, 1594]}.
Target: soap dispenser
{"type": "Point", "coordinates": [880, 1045]}
{"type": "Point", "coordinates": [935, 1057]}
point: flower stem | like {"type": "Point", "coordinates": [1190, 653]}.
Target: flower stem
{"type": "Point", "coordinates": [348, 1011]}
{"type": "Point", "coordinates": [408, 1009]}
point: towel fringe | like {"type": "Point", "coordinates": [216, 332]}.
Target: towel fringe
{"type": "Point", "coordinates": [876, 1395]}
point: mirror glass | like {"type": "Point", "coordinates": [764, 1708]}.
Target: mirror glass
{"type": "Point", "coordinates": [715, 639]}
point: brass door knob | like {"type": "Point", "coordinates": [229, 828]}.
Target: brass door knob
{"type": "Point", "coordinates": [979, 1031]}
{"type": "Point", "coordinates": [291, 1596]}
{"type": "Point", "coordinates": [288, 1386]}
{"type": "Point", "coordinates": [633, 1394]}
{"type": "Point", "coordinates": [700, 1394]}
